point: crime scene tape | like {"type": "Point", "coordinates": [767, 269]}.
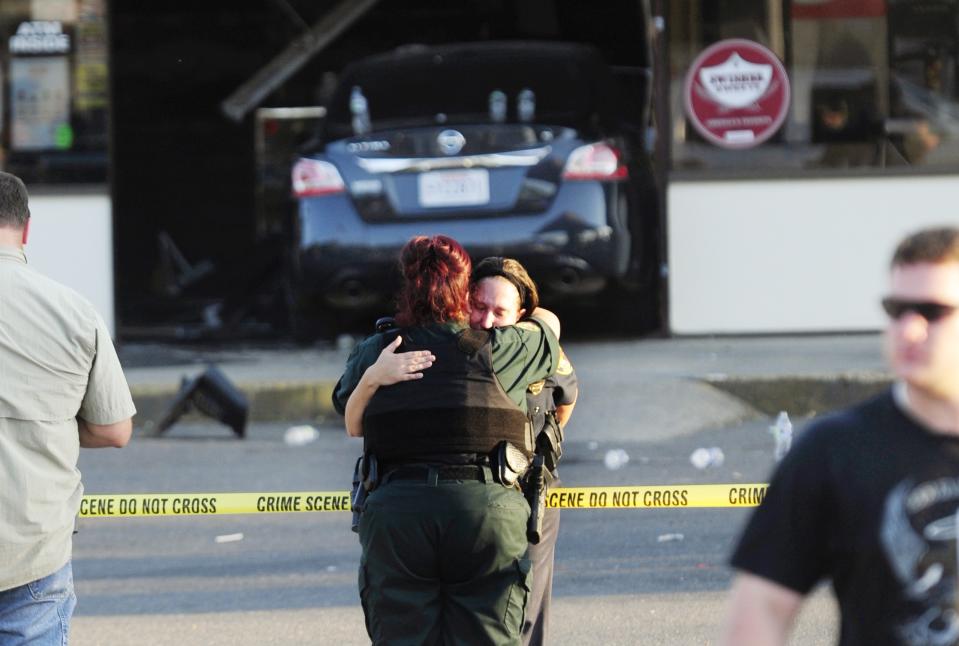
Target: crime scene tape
{"type": "Point", "coordinates": [209, 504]}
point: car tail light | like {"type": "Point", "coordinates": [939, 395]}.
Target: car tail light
{"type": "Point", "coordinates": [312, 177]}
{"type": "Point", "coordinates": [595, 161]}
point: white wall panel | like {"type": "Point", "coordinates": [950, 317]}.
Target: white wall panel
{"type": "Point", "coordinates": [71, 241]}
{"type": "Point", "coordinates": [792, 255]}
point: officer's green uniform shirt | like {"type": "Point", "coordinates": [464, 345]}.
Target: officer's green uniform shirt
{"type": "Point", "coordinates": [57, 362]}
{"type": "Point", "coordinates": [522, 354]}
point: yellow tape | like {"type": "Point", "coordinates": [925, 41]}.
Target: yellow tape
{"type": "Point", "coordinates": [657, 497]}
{"type": "Point", "coordinates": [206, 504]}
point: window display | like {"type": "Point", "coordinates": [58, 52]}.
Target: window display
{"type": "Point", "coordinates": [54, 130]}
{"type": "Point", "coordinates": [873, 83]}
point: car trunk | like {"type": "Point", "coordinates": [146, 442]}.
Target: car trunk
{"type": "Point", "coordinates": [438, 171]}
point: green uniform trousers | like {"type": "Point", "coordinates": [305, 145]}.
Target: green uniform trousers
{"type": "Point", "coordinates": [444, 563]}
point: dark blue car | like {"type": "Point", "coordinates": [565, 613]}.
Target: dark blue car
{"type": "Point", "coordinates": [512, 148]}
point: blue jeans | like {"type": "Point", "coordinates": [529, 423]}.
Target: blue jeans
{"type": "Point", "coordinates": [38, 613]}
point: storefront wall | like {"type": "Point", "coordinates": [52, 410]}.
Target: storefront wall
{"type": "Point", "coordinates": [797, 255]}
{"type": "Point", "coordinates": [71, 241]}
{"type": "Point", "coordinates": [793, 232]}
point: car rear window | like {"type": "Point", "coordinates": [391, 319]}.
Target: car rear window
{"type": "Point", "coordinates": [452, 84]}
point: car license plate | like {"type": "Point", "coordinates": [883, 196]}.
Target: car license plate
{"type": "Point", "coordinates": [454, 187]}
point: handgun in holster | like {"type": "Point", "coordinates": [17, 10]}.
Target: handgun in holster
{"type": "Point", "coordinates": [535, 490]}
{"type": "Point", "coordinates": [365, 478]}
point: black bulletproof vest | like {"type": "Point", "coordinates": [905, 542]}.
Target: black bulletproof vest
{"type": "Point", "coordinates": [457, 407]}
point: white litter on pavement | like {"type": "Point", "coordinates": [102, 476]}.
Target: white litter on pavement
{"type": "Point", "coordinates": [666, 538]}
{"type": "Point", "coordinates": [228, 538]}
{"type": "Point", "coordinates": [615, 459]}
{"type": "Point", "coordinates": [703, 458]}
{"type": "Point", "coordinates": [782, 431]}
{"type": "Point", "coordinates": [300, 435]}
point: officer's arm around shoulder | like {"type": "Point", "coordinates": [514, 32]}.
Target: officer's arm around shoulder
{"type": "Point", "coordinates": [525, 353]}
{"type": "Point", "coordinates": [362, 356]}
{"type": "Point", "coordinates": [104, 436]}
{"type": "Point", "coordinates": [548, 318]}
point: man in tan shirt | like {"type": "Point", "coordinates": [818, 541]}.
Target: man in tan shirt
{"type": "Point", "coordinates": [61, 388]}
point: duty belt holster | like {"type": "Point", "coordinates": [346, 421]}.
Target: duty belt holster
{"type": "Point", "coordinates": [509, 464]}
{"type": "Point", "coordinates": [549, 449]}
{"type": "Point", "coordinates": [549, 442]}
{"type": "Point", "coordinates": [365, 478]}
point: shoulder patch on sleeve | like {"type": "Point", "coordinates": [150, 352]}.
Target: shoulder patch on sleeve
{"type": "Point", "coordinates": [529, 325]}
{"type": "Point", "coordinates": [565, 367]}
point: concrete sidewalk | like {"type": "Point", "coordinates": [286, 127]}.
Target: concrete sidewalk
{"type": "Point", "coordinates": [679, 385]}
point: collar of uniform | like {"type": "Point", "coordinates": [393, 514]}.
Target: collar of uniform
{"type": "Point", "coordinates": [13, 253]}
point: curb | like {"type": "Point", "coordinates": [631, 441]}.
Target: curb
{"type": "Point", "coordinates": [802, 396]}
{"type": "Point", "coordinates": [269, 402]}
{"type": "Point", "coordinates": [311, 400]}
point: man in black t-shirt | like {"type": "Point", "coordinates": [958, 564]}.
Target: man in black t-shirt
{"type": "Point", "coordinates": [868, 496]}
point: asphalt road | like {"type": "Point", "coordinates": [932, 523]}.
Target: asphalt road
{"type": "Point", "coordinates": [292, 577]}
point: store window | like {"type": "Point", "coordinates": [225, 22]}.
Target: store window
{"type": "Point", "coordinates": [873, 83]}
{"type": "Point", "coordinates": [54, 90]}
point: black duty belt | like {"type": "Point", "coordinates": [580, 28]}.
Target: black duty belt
{"type": "Point", "coordinates": [446, 472]}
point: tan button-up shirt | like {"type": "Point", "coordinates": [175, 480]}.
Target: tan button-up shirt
{"type": "Point", "coordinates": [57, 363]}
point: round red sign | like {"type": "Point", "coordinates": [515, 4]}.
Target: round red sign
{"type": "Point", "coordinates": [737, 93]}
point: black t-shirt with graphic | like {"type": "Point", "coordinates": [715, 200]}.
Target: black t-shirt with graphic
{"type": "Point", "coordinates": [866, 497]}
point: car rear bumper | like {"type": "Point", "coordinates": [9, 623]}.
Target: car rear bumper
{"type": "Point", "coordinates": [351, 264]}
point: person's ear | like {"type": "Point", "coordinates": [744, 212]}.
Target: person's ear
{"type": "Point", "coordinates": [26, 231]}
{"type": "Point", "coordinates": [521, 314]}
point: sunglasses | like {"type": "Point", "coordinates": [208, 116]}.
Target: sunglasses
{"type": "Point", "coordinates": [928, 310]}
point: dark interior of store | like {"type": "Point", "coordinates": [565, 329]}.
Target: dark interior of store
{"type": "Point", "coordinates": [184, 172]}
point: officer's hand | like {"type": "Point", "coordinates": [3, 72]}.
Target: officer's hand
{"type": "Point", "coordinates": [392, 367]}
